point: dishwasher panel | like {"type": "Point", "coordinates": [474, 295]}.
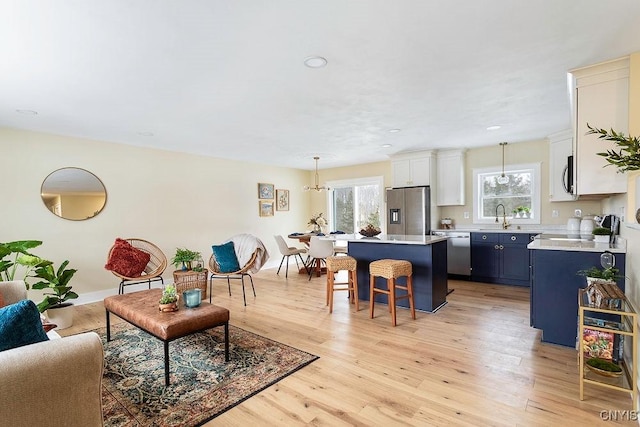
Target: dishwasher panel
{"type": "Point", "coordinates": [458, 252]}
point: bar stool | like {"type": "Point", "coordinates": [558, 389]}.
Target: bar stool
{"type": "Point", "coordinates": [391, 269]}
{"type": "Point", "coordinates": [338, 263]}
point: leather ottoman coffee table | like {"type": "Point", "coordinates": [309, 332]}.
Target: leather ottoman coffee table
{"type": "Point", "coordinates": [141, 310]}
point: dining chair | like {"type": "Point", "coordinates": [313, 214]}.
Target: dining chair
{"type": "Point", "coordinates": [288, 251]}
{"type": "Point", "coordinates": [319, 250]}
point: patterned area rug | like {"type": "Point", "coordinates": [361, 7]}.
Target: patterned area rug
{"type": "Point", "coordinates": [202, 386]}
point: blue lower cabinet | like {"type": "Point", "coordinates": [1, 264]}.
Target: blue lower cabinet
{"type": "Point", "coordinates": [501, 258]}
{"type": "Point", "coordinates": [554, 291]}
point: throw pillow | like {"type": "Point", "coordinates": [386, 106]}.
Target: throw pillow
{"type": "Point", "coordinates": [2, 304]}
{"type": "Point", "coordinates": [126, 260]}
{"type": "Point", "coordinates": [226, 257]}
{"type": "Point", "coordinates": [20, 325]}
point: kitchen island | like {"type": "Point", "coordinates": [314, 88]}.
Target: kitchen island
{"type": "Point", "coordinates": [427, 254]}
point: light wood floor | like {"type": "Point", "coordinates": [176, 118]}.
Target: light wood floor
{"type": "Point", "coordinates": [475, 362]}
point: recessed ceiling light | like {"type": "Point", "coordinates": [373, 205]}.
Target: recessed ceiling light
{"type": "Point", "coordinates": [145, 133]}
{"type": "Point", "coordinates": [394, 130]}
{"type": "Point", "coordinates": [386, 145]}
{"type": "Point", "coordinates": [495, 127]}
{"type": "Point", "coordinates": [28, 112]}
{"type": "Point", "coordinates": [315, 62]}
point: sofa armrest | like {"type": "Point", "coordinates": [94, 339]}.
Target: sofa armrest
{"type": "Point", "coordinates": [56, 382]}
{"type": "Point", "coordinates": [13, 291]}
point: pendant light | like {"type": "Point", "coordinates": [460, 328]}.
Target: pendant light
{"type": "Point", "coordinates": [503, 179]}
{"type": "Point", "coordinates": [317, 187]}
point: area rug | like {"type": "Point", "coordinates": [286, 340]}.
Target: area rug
{"type": "Point", "coordinates": [203, 385]}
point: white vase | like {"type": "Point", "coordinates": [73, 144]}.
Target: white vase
{"type": "Point", "coordinates": [61, 316]}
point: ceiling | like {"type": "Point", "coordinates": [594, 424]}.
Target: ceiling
{"type": "Point", "coordinates": [227, 78]}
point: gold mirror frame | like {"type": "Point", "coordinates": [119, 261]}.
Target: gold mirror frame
{"type": "Point", "coordinates": [73, 193]}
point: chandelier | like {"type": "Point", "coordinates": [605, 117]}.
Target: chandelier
{"type": "Point", "coordinates": [503, 179]}
{"type": "Point", "coordinates": [317, 186]}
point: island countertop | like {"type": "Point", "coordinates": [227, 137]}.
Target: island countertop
{"type": "Point", "coordinates": [405, 239]}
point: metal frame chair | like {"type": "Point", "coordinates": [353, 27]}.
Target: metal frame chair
{"type": "Point", "coordinates": [152, 272]}
{"type": "Point", "coordinates": [214, 268]}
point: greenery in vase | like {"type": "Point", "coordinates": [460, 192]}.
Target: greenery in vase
{"type": "Point", "coordinates": [628, 157]}
{"type": "Point", "coordinates": [56, 282]}
{"type": "Point", "coordinates": [184, 257]}
{"type": "Point", "coordinates": [169, 294]}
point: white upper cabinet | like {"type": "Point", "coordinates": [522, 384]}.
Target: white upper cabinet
{"type": "Point", "coordinates": [601, 100]}
{"type": "Point", "coordinates": [412, 169]}
{"type": "Point", "coordinates": [560, 148]}
{"type": "Point", "coordinates": [450, 178]}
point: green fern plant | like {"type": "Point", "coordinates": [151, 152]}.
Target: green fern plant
{"type": "Point", "coordinates": [628, 157]}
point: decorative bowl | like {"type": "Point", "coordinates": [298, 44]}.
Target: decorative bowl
{"type": "Point", "coordinates": [604, 372]}
{"type": "Point", "coordinates": [370, 232]}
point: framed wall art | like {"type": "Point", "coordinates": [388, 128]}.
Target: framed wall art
{"type": "Point", "coordinates": [282, 200]}
{"type": "Point", "coordinates": [266, 208]}
{"type": "Point", "coordinates": [265, 191]}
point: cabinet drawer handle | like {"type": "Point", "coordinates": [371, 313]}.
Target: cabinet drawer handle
{"type": "Point", "coordinates": [513, 238]}
{"type": "Point", "coordinates": [501, 247]}
{"type": "Point", "coordinates": [484, 237]}
{"type": "Point", "coordinates": [496, 247]}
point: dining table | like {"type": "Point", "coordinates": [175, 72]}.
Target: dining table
{"type": "Point", "coordinates": [305, 238]}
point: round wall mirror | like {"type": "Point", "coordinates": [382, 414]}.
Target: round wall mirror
{"type": "Point", "coordinates": [73, 193]}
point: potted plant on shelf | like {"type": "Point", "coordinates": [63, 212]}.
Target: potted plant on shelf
{"type": "Point", "coordinates": [184, 258]}
{"type": "Point", "coordinates": [526, 211]}
{"type": "Point", "coordinates": [56, 282]}
{"type": "Point", "coordinates": [169, 300]}
{"type": "Point", "coordinates": [601, 235]}
{"type": "Point", "coordinates": [599, 275]}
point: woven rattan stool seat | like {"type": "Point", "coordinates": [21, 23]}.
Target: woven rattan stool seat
{"type": "Point", "coordinates": [337, 263]}
{"type": "Point", "coordinates": [390, 268]}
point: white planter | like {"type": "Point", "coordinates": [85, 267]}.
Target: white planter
{"type": "Point", "coordinates": [601, 239]}
{"type": "Point", "coordinates": [62, 316]}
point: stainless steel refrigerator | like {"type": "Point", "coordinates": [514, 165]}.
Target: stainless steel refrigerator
{"type": "Point", "coordinates": [408, 210]}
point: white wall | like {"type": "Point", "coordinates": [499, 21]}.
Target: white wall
{"type": "Point", "coordinates": [519, 153]}
{"type": "Point", "coordinates": [172, 199]}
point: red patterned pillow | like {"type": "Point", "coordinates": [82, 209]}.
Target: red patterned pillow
{"type": "Point", "coordinates": [127, 260]}
{"type": "Point", "coordinates": [2, 304]}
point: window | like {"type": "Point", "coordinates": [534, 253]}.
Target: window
{"type": "Point", "coordinates": [520, 195]}
{"type": "Point", "coordinates": [355, 203]}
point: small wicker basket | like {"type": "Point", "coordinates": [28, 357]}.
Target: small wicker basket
{"type": "Point", "coordinates": [189, 279]}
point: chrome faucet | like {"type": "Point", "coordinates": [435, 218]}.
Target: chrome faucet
{"type": "Point", "coordinates": [505, 224]}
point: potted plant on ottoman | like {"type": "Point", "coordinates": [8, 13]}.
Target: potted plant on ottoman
{"type": "Point", "coordinates": [169, 300]}
{"type": "Point", "coordinates": [59, 311]}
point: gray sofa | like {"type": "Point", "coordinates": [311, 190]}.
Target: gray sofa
{"type": "Point", "coordinates": [51, 383]}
